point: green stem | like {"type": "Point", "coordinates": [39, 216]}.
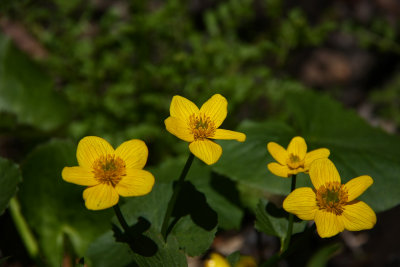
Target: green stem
{"type": "Point", "coordinates": [121, 218]}
{"type": "Point", "coordinates": [291, 217]}
{"type": "Point", "coordinates": [22, 226]}
{"type": "Point", "coordinates": [174, 197]}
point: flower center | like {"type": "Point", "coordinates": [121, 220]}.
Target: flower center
{"type": "Point", "coordinates": [201, 126]}
{"type": "Point", "coordinates": [294, 161]}
{"type": "Point", "coordinates": [332, 197]}
{"type": "Point", "coordinates": [109, 169]}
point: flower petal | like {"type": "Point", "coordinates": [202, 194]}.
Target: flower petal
{"type": "Point", "coordinates": [357, 186]}
{"type": "Point", "coordinates": [277, 152]}
{"type": "Point", "coordinates": [206, 150]}
{"type": "Point", "coordinates": [79, 175]}
{"type": "Point", "coordinates": [357, 216]}
{"type": "Point", "coordinates": [302, 202]}
{"type": "Point", "coordinates": [323, 171]}
{"type": "Point", "coordinates": [182, 108]}
{"type": "Point", "coordinates": [328, 224]}
{"type": "Point", "coordinates": [297, 147]}
{"type": "Point", "coordinates": [216, 108]}
{"type": "Point", "coordinates": [279, 170]}
{"type": "Point", "coordinates": [216, 260]}
{"type": "Point", "coordinates": [229, 135]}
{"type": "Point", "coordinates": [135, 183]}
{"type": "Point", "coordinates": [91, 148]}
{"type": "Point", "coordinates": [315, 154]}
{"type": "Point", "coordinates": [134, 152]}
{"type": "Point", "coordinates": [101, 196]}
{"type": "Point", "coordinates": [179, 128]}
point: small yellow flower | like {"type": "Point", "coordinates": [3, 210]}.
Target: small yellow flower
{"type": "Point", "coordinates": [198, 126]}
{"type": "Point", "coordinates": [217, 260]}
{"type": "Point", "coordinates": [294, 159]}
{"type": "Point", "coordinates": [109, 173]}
{"type": "Point", "coordinates": [332, 205]}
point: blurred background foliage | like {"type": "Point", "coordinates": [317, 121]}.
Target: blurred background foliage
{"type": "Point", "coordinates": [69, 69]}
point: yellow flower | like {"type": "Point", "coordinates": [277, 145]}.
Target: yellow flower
{"type": "Point", "coordinates": [198, 126]}
{"type": "Point", "coordinates": [109, 173]}
{"type": "Point", "coordinates": [217, 260]}
{"type": "Point", "coordinates": [332, 205]}
{"type": "Point", "coordinates": [295, 158]}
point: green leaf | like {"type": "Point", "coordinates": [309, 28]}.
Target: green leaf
{"type": "Point", "coordinates": [27, 91]}
{"type": "Point", "coordinates": [356, 149]}
{"type": "Point", "coordinates": [273, 221]}
{"type": "Point", "coordinates": [10, 177]}
{"type": "Point", "coordinates": [321, 257]}
{"type": "Point", "coordinates": [55, 209]}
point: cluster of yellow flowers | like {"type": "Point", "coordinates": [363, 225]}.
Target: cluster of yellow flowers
{"type": "Point", "coordinates": [331, 204]}
{"type": "Point", "coordinates": [110, 173]}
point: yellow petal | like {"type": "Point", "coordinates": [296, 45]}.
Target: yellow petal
{"type": "Point", "coordinates": [135, 183]}
{"type": "Point", "coordinates": [277, 152]}
{"type": "Point", "coordinates": [216, 260]}
{"type": "Point", "coordinates": [279, 170]}
{"type": "Point", "coordinates": [297, 147]}
{"type": "Point", "coordinates": [358, 216]}
{"type": "Point", "coordinates": [179, 128]}
{"type": "Point", "coordinates": [357, 186]}
{"type": "Point", "coordinates": [302, 202]}
{"type": "Point", "coordinates": [322, 171]}
{"type": "Point", "coordinates": [101, 196]}
{"type": "Point", "coordinates": [229, 135]}
{"type": "Point", "coordinates": [315, 154]}
{"type": "Point", "coordinates": [216, 108]}
{"type": "Point", "coordinates": [134, 152]}
{"type": "Point", "coordinates": [79, 175]}
{"type": "Point", "coordinates": [182, 108]}
{"type": "Point", "coordinates": [206, 150]}
{"type": "Point", "coordinates": [91, 148]}
{"type": "Point", "coordinates": [328, 224]}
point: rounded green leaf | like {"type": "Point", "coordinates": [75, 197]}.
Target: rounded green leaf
{"type": "Point", "coordinates": [10, 177]}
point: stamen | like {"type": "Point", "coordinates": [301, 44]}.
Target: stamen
{"type": "Point", "coordinates": [295, 162]}
{"type": "Point", "coordinates": [332, 197]}
{"type": "Point", "coordinates": [201, 126]}
{"type": "Point", "coordinates": [109, 169]}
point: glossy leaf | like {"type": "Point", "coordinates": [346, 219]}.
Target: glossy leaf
{"type": "Point", "coordinates": [10, 177]}
{"type": "Point", "coordinates": [26, 91]}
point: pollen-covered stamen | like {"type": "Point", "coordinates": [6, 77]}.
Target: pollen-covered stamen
{"type": "Point", "coordinates": [295, 162]}
{"type": "Point", "coordinates": [201, 126]}
{"type": "Point", "coordinates": [332, 197]}
{"type": "Point", "coordinates": [109, 169]}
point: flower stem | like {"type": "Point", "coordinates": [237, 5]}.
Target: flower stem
{"type": "Point", "coordinates": [121, 218]}
{"type": "Point", "coordinates": [22, 226]}
{"type": "Point", "coordinates": [291, 217]}
{"type": "Point", "coordinates": [174, 196]}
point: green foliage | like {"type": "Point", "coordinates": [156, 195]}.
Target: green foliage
{"type": "Point", "coordinates": [10, 177]}
{"type": "Point", "coordinates": [28, 92]}
{"type": "Point", "coordinates": [321, 257]}
{"type": "Point", "coordinates": [356, 149]}
{"type": "Point", "coordinates": [53, 208]}
{"type": "Point", "coordinates": [273, 221]}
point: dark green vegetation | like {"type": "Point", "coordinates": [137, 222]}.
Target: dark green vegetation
{"type": "Point", "coordinates": [110, 69]}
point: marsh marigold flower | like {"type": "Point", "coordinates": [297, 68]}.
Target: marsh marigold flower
{"type": "Point", "coordinates": [109, 173]}
{"type": "Point", "coordinates": [295, 158]}
{"type": "Point", "coordinates": [217, 260]}
{"type": "Point", "coordinates": [198, 126]}
{"type": "Point", "coordinates": [332, 205]}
